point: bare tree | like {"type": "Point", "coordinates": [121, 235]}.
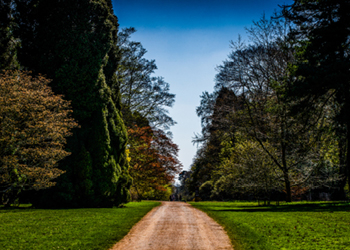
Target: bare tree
{"type": "Point", "coordinates": [142, 93]}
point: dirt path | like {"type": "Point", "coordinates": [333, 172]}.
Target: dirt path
{"type": "Point", "coordinates": [175, 226]}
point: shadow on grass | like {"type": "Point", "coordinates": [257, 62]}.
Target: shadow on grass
{"type": "Point", "coordinates": [320, 207]}
{"type": "Point", "coordinates": [13, 208]}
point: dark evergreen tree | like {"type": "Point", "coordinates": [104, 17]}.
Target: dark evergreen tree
{"type": "Point", "coordinates": [74, 43]}
{"type": "Point", "coordinates": [8, 43]}
{"type": "Point", "coordinates": [214, 111]}
{"type": "Point", "coordinates": [322, 34]}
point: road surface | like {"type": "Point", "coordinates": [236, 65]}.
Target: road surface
{"type": "Point", "coordinates": [175, 226]}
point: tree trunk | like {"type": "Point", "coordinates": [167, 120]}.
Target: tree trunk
{"type": "Point", "coordinates": [339, 193]}
{"type": "Point", "coordinates": [285, 174]}
{"type": "Point", "coordinates": [288, 188]}
{"type": "Point", "coordinates": [347, 170]}
{"type": "Point", "coordinates": [138, 194]}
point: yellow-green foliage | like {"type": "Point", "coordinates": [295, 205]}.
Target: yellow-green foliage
{"type": "Point", "coordinates": [159, 194]}
{"type": "Point", "coordinates": [246, 168]}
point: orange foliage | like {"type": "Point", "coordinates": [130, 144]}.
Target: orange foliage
{"type": "Point", "coordinates": [153, 158]}
{"type": "Point", "coordinates": [33, 125]}
{"type": "Point", "coordinates": [298, 192]}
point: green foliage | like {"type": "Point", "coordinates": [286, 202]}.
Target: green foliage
{"type": "Point", "coordinates": [74, 43]}
{"type": "Point", "coordinates": [162, 194]}
{"type": "Point", "coordinates": [8, 43]}
{"type": "Point", "coordinates": [302, 225]}
{"type": "Point", "coordinates": [26, 228]}
{"type": "Point", "coordinates": [246, 172]}
{"type": "Point", "coordinates": [83, 172]}
{"type": "Point", "coordinates": [274, 143]}
{"type": "Point", "coordinates": [205, 190]}
{"type": "Point", "coordinates": [321, 37]}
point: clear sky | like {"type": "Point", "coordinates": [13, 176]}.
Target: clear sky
{"type": "Point", "coordinates": [188, 39]}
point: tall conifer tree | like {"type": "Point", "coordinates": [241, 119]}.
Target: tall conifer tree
{"type": "Point", "coordinates": [8, 43]}
{"type": "Point", "coordinates": [73, 42]}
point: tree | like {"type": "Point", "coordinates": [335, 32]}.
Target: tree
{"type": "Point", "coordinates": [75, 44]}
{"type": "Point", "coordinates": [258, 77]}
{"type": "Point", "coordinates": [248, 172]}
{"type": "Point", "coordinates": [8, 43]}
{"type": "Point", "coordinates": [216, 128]}
{"type": "Point", "coordinates": [259, 74]}
{"type": "Point", "coordinates": [144, 102]}
{"type": "Point", "coordinates": [321, 35]}
{"type": "Point", "coordinates": [142, 94]}
{"type": "Point", "coordinates": [34, 124]}
{"type": "Point", "coordinates": [153, 160]}
{"type": "Point", "coordinates": [184, 177]}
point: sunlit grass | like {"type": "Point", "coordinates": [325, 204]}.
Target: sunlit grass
{"type": "Point", "coordinates": [309, 226]}
{"type": "Point", "coordinates": [99, 228]}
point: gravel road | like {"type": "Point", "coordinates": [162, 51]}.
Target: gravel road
{"type": "Point", "coordinates": [175, 226]}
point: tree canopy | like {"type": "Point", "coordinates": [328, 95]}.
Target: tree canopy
{"type": "Point", "coordinates": [322, 36]}
{"type": "Point", "coordinates": [153, 160]}
{"type": "Point", "coordinates": [144, 102]}
{"type": "Point", "coordinates": [251, 110]}
{"type": "Point", "coordinates": [34, 124]}
{"type": "Point", "coordinates": [74, 44]}
{"type": "Point", "coordinates": [142, 93]}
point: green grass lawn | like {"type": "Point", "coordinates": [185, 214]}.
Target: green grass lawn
{"type": "Point", "coordinates": [311, 226]}
{"type": "Point", "coordinates": [85, 229]}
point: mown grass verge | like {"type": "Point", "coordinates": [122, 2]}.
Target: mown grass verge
{"type": "Point", "coordinates": [298, 225]}
{"type": "Point", "coordinates": [99, 228]}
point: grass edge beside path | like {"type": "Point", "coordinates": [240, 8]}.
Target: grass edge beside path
{"type": "Point", "coordinates": [291, 226]}
{"type": "Point", "coordinates": [231, 233]}
{"type": "Point", "coordinates": [90, 228]}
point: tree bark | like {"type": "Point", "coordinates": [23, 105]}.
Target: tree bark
{"type": "Point", "coordinates": [285, 174]}
{"type": "Point", "coordinates": [347, 169]}
{"type": "Point", "coordinates": [288, 188]}
{"type": "Point", "coordinates": [339, 193]}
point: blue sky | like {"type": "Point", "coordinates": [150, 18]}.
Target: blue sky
{"type": "Point", "coordinates": [188, 39]}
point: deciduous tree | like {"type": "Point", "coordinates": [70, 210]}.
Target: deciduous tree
{"type": "Point", "coordinates": [144, 102]}
{"type": "Point", "coordinates": [142, 93]}
{"type": "Point", "coordinates": [258, 76]}
{"type": "Point", "coordinates": [153, 160]}
{"type": "Point", "coordinates": [247, 172]}
{"type": "Point", "coordinates": [322, 37]}
{"type": "Point", "coordinates": [34, 124]}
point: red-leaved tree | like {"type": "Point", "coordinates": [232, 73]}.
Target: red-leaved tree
{"type": "Point", "coordinates": [153, 160]}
